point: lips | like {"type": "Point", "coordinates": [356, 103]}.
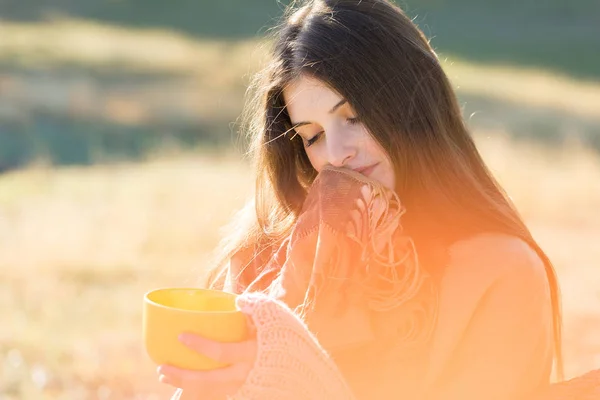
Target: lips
{"type": "Point", "coordinates": [366, 170]}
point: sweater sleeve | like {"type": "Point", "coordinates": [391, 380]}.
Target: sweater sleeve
{"type": "Point", "coordinates": [494, 333]}
{"type": "Point", "coordinates": [290, 362]}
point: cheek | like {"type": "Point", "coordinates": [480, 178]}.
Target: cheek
{"type": "Point", "coordinates": [315, 158]}
{"type": "Point", "coordinates": [375, 150]}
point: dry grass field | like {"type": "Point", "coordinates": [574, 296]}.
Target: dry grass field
{"type": "Point", "coordinates": [80, 245]}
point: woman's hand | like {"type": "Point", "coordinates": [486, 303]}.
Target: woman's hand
{"type": "Point", "coordinates": [212, 384]}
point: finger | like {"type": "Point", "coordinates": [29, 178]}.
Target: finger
{"type": "Point", "coordinates": [202, 380]}
{"type": "Point", "coordinates": [175, 377]}
{"type": "Point", "coordinates": [166, 380]}
{"type": "Point", "coordinates": [227, 353]}
{"type": "Point", "coordinates": [166, 375]}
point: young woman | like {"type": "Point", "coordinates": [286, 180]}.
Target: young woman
{"type": "Point", "coordinates": [379, 259]}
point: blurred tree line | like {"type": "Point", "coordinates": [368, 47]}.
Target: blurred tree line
{"type": "Point", "coordinates": [562, 35]}
{"type": "Point", "coordinates": [557, 35]}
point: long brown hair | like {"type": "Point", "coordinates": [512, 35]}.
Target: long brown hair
{"type": "Point", "coordinates": [376, 58]}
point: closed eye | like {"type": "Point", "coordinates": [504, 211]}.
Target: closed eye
{"type": "Point", "coordinates": [315, 138]}
{"type": "Point", "coordinates": [312, 140]}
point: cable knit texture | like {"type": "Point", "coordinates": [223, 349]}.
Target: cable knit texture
{"type": "Point", "coordinates": [290, 363]}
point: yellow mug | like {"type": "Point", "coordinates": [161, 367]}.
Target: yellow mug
{"type": "Point", "coordinates": [168, 312]}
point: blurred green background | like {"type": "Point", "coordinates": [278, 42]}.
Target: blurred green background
{"type": "Point", "coordinates": [45, 91]}
{"type": "Point", "coordinates": [120, 163]}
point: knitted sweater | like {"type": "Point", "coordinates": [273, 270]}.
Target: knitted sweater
{"type": "Point", "coordinates": [363, 319]}
{"type": "Point", "coordinates": [290, 362]}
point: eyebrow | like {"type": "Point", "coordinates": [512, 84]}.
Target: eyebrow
{"type": "Point", "coordinates": [338, 105]}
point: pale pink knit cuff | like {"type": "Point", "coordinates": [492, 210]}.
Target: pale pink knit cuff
{"type": "Point", "coordinates": [290, 363]}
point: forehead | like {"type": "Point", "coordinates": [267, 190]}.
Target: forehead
{"type": "Point", "coordinates": [308, 95]}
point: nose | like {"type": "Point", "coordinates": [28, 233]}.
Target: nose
{"type": "Point", "coordinates": [340, 148]}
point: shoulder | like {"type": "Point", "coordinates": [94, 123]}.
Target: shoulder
{"type": "Point", "coordinates": [493, 266]}
{"type": "Point", "coordinates": [497, 275]}
{"type": "Point", "coordinates": [490, 257]}
{"type": "Point", "coordinates": [494, 302]}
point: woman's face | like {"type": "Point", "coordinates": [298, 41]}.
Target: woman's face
{"type": "Point", "coordinates": [331, 132]}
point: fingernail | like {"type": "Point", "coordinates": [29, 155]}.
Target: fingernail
{"type": "Point", "coordinates": [183, 338]}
